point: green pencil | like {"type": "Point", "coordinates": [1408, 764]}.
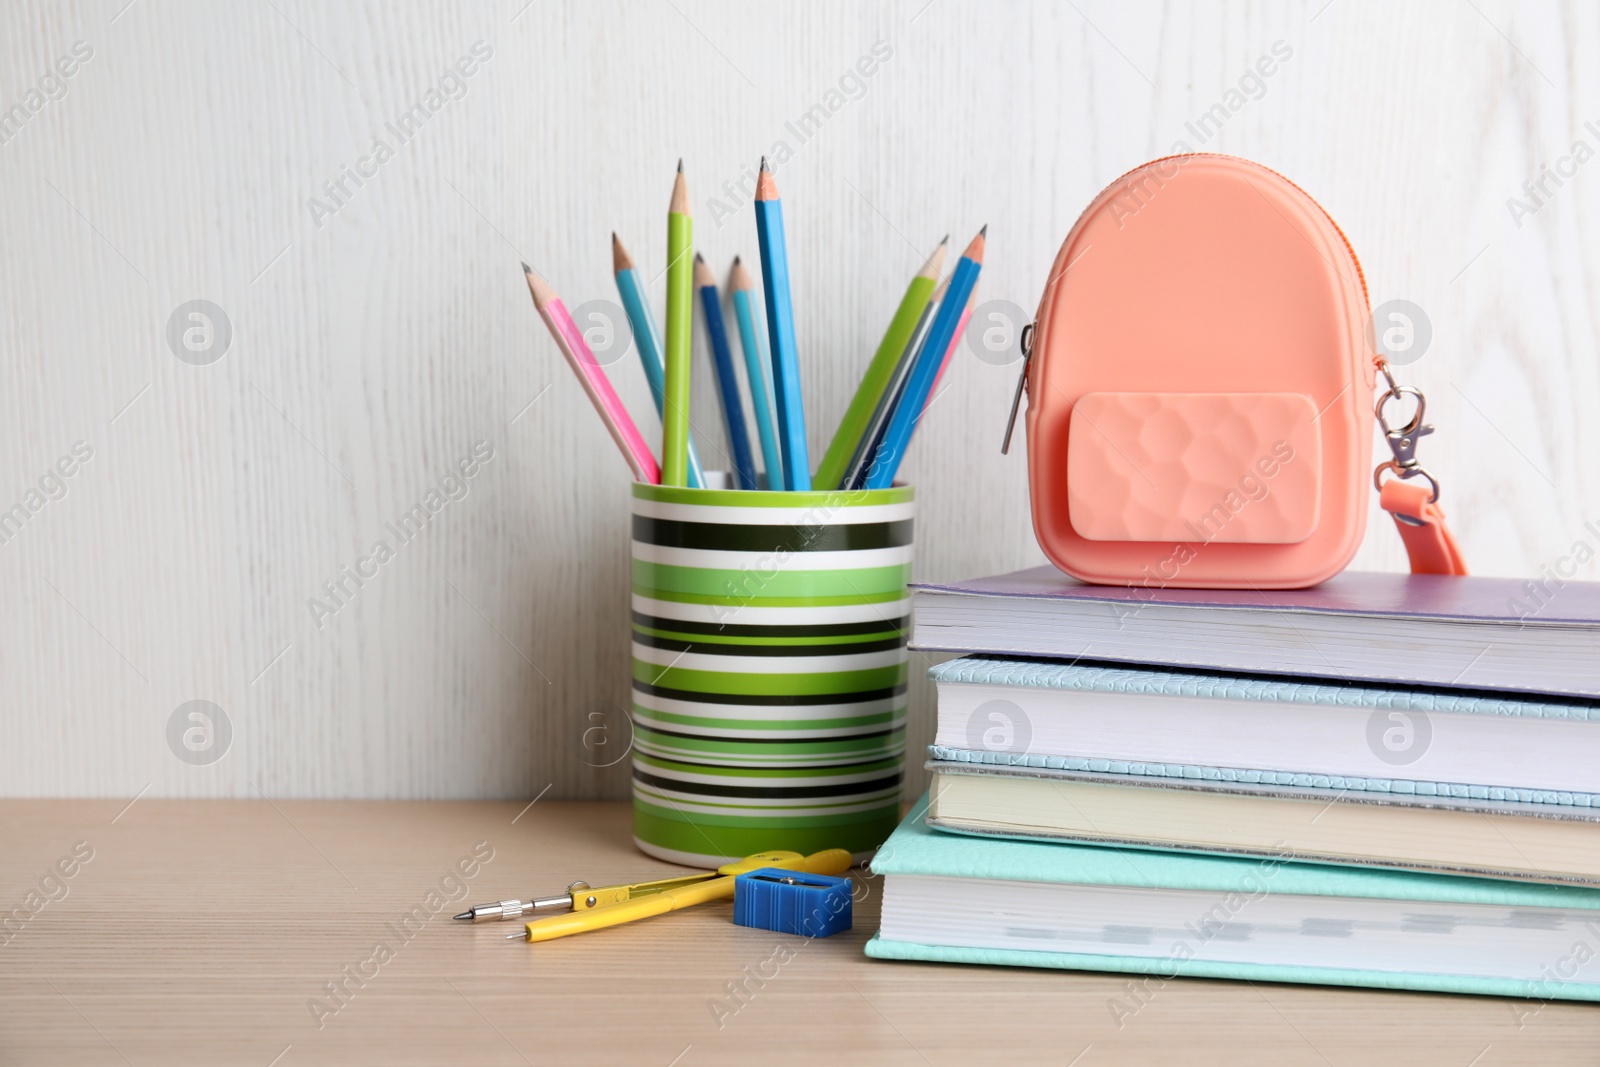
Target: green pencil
{"type": "Point", "coordinates": [679, 338]}
{"type": "Point", "coordinates": [880, 372]}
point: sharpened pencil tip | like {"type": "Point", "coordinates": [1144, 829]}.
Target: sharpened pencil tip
{"type": "Point", "coordinates": [974, 250]}
{"type": "Point", "coordinates": [942, 241]}
{"type": "Point", "coordinates": [702, 273]}
{"type": "Point", "coordinates": [766, 183]}
{"type": "Point", "coordinates": [620, 260]}
{"type": "Point", "coordinates": [538, 288]}
{"type": "Point", "coordinates": [680, 164]}
{"type": "Point", "coordinates": [735, 261]}
{"type": "Point", "coordinates": [679, 205]}
{"type": "Point", "coordinates": [466, 914]}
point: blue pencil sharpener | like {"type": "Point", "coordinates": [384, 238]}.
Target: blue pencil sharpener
{"type": "Point", "coordinates": [792, 902]}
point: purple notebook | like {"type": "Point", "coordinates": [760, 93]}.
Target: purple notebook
{"type": "Point", "coordinates": [1472, 633]}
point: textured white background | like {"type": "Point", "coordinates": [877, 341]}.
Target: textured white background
{"type": "Point", "coordinates": [371, 351]}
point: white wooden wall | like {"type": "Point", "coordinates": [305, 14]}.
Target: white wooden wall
{"type": "Point", "coordinates": [371, 348]}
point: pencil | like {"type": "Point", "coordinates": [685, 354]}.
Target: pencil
{"type": "Point", "coordinates": [955, 342]}
{"type": "Point", "coordinates": [645, 337]}
{"type": "Point", "coordinates": [570, 340]}
{"type": "Point", "coordinates": [855, 475]}
{"type": "Point", "coordinates": [780, 329]}
{"type": "Point", "coordinates": [908, 409]}
{"type": "Point", "coordinates": [680, 337]}
{"type": "Point", "coordinates": [756, 368]}
{"type": "Point", "coordinates": [744, 464]}
{"type": "Point", "coordinates": [880, 372]}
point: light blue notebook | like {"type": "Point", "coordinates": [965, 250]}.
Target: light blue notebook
{"type": "Point", "coordinates": [965, 899]}
{"type": "Point", "coordinates": [1297, 733]}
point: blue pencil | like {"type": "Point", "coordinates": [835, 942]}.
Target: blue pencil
{"type": "Point", "coordinates": [855, 476]}
{"type": "Point", "coordinates": [914, 398]}
{"type": "Point", "coordinates": [647, 340]}
{"type": "Point", "coordinates": [756, 366]}
{"type": "Point", "coordinates": [744, 464]}
{"type": "Point", "coordinates": [780, 326]}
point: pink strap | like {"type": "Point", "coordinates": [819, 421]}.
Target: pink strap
{"type": "Point", "coordinates": [1429, 542]}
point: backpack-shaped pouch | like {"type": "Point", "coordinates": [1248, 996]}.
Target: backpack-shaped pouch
{"type": "Point", "coordinates": [1200, 383]}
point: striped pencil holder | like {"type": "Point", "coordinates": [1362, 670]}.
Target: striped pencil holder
{"type": "Point", "coordinates": [769, 669]}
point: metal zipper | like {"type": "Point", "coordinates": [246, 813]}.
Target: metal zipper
{"type": "Point", "coordinates": [1022, 380]}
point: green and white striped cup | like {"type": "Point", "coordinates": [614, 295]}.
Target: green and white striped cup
{"type": "Point", "coordinates": [769, 669]}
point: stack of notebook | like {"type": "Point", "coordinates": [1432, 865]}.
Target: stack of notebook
{"type": "Point", "coordinates": [1387, 781]}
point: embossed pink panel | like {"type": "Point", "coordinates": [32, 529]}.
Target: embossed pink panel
{"type": "Point", "coordinates": [1234, 468]}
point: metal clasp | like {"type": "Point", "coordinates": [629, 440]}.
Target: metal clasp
{"type": "Point", "coordinates": [1403, 440]}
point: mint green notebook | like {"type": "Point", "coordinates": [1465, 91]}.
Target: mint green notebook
{"type": "Point", "coordinates": [961, 899]}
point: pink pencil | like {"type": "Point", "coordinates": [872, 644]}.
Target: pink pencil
{"type": "Point", "coordinates": [604, 398]}
{"type": "Point", "coordinates": [955, 340]}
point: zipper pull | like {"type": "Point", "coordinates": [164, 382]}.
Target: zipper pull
{"type": "Point", "coordinates": [1022, 381]}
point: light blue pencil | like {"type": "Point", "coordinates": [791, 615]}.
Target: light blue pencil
{"type": "Point", "coordinates": [756, 369]}
{"type": "Point", "coordinates": [647, 340]}
{"type": "Point", "coordinates": [780, 327]}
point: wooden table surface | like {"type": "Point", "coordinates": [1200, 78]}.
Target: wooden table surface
{"type": "Point", "coordinates": [209, 932]}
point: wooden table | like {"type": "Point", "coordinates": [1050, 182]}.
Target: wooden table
{"type": "Point", "coordinates": [209, 932]}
